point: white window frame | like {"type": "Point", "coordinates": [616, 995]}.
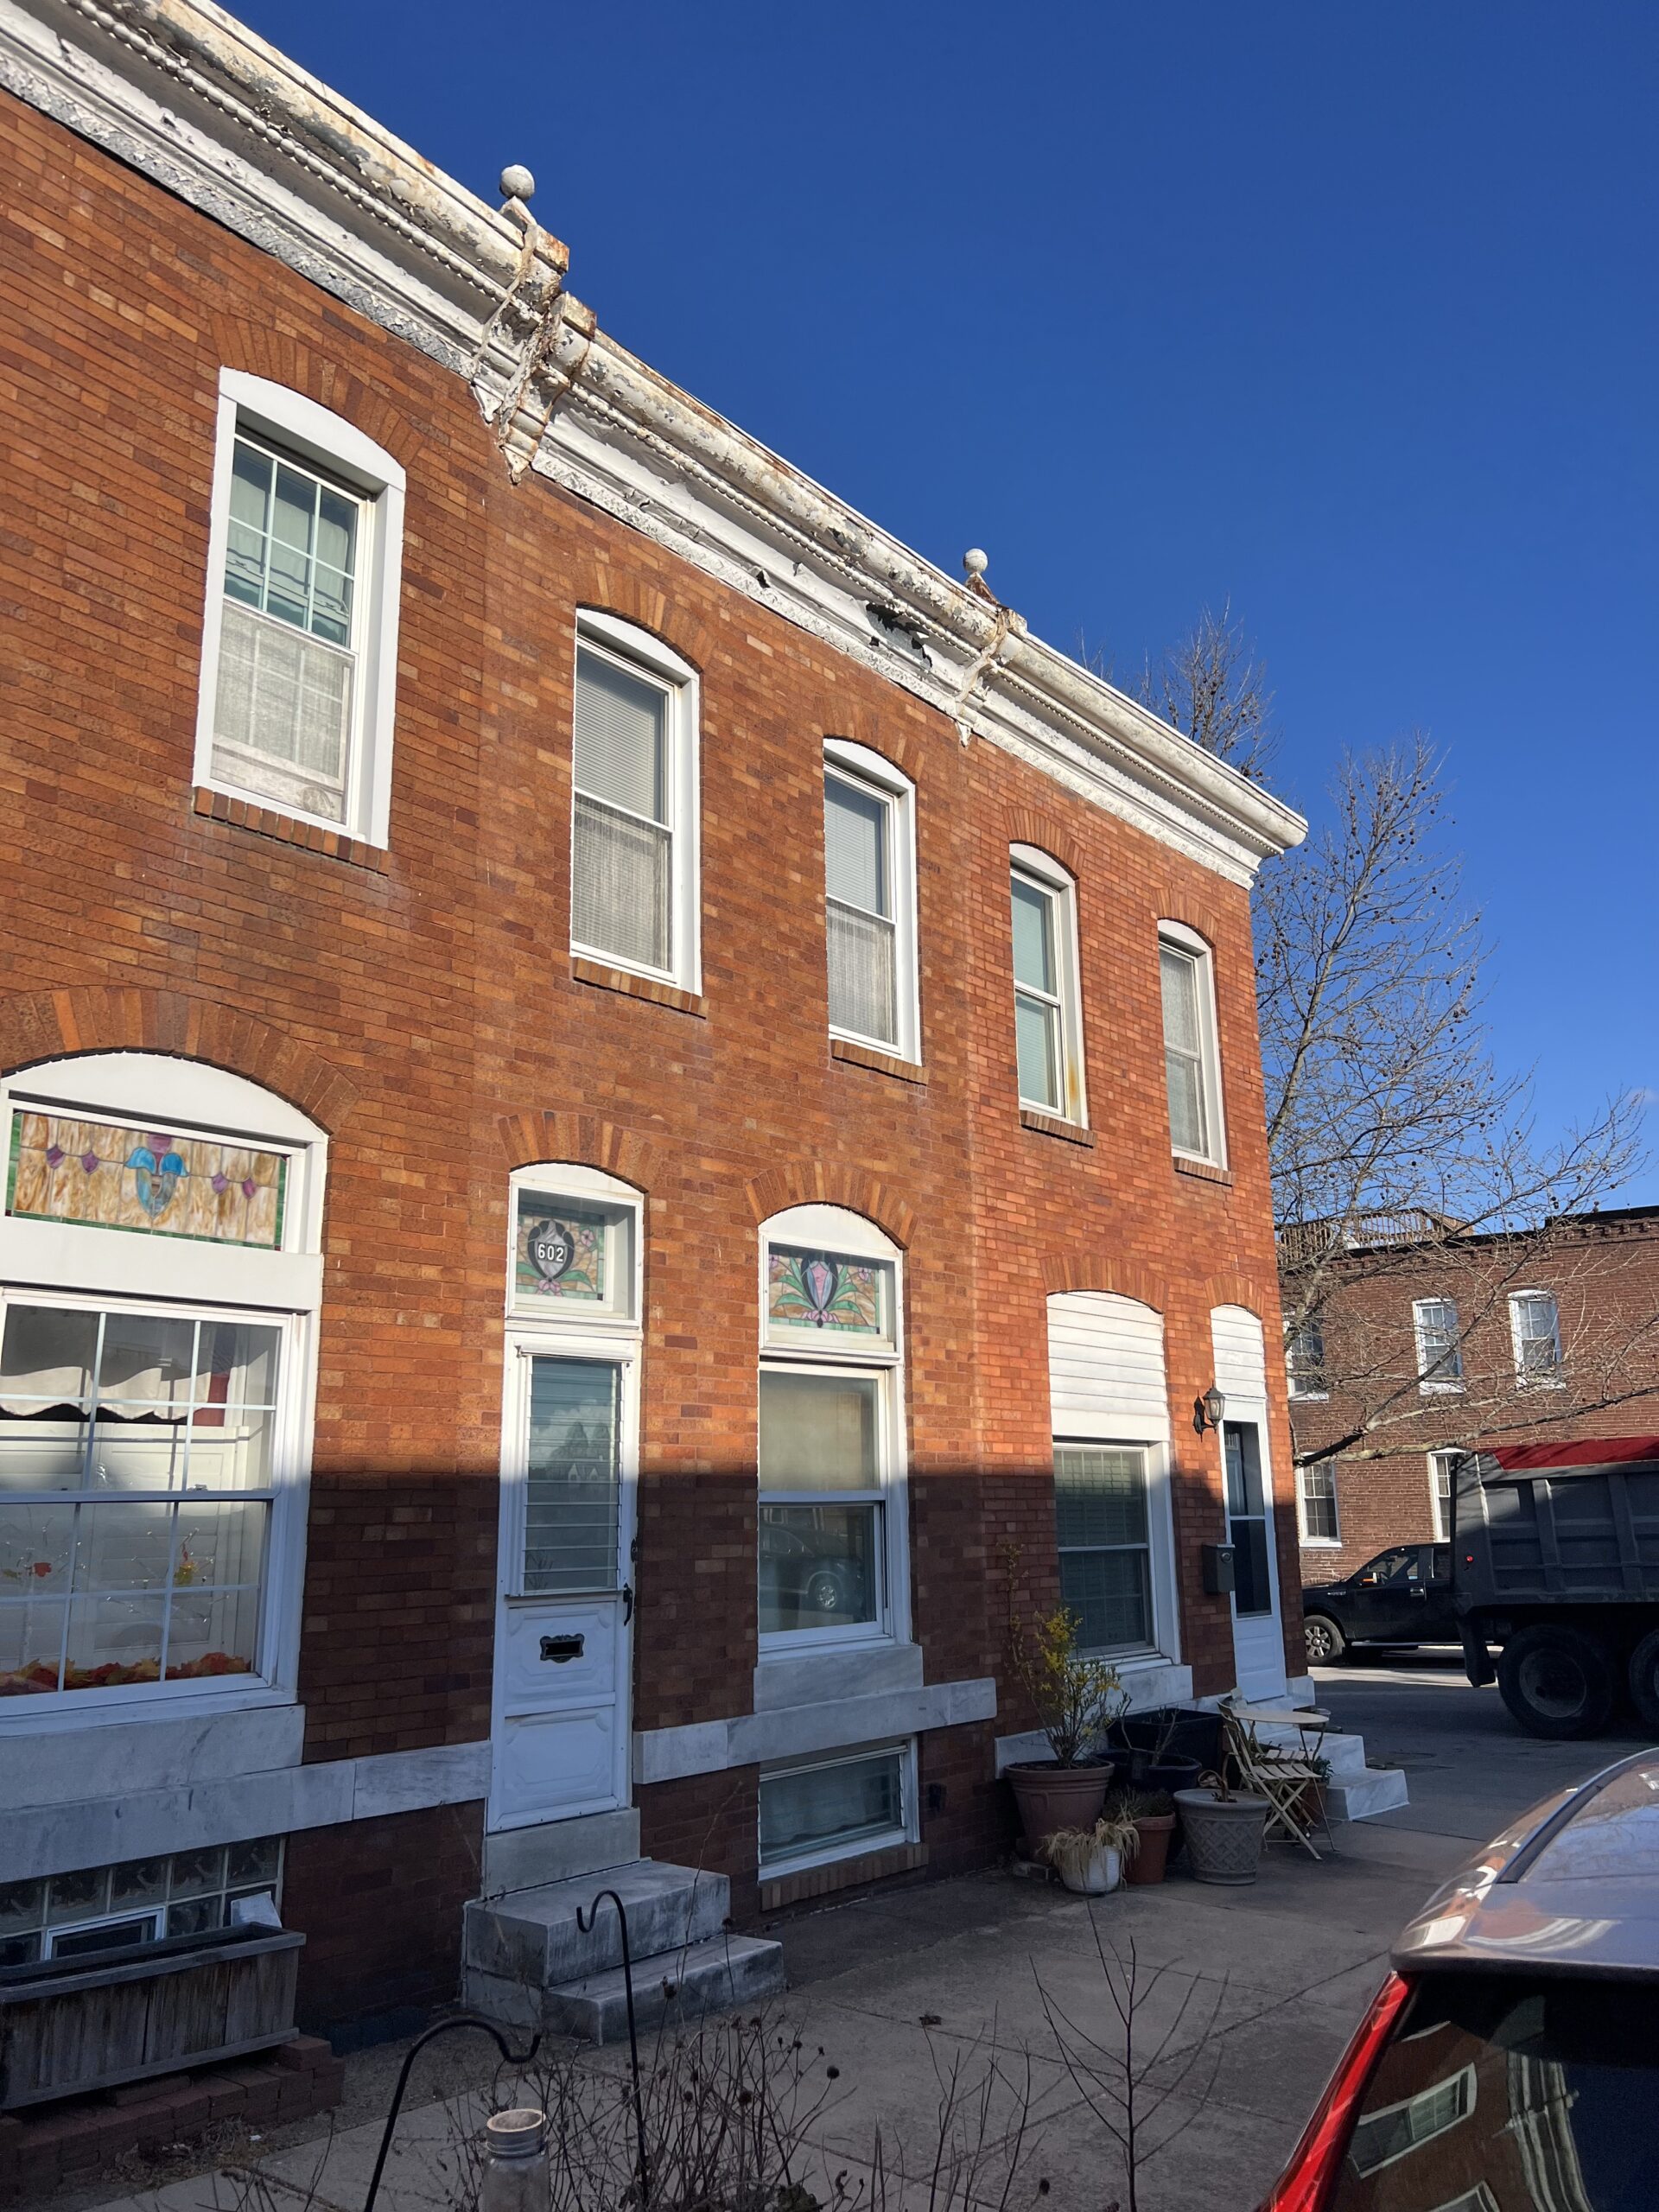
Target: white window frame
{"type": "Point", "coordinates": [1175, 936]}
{"type": "Point", "coordinates": [1430, 1384]}
{"type": "Point", "coordinates": [1462, 2084]}
{"type": "Point", "coordinates": [878, 779]}
{"type": "Point", "coordinates": [336, 449]}
{"type": "Point", "coordinates": [645, 655]}
{"type": "Point", "coordinates": [87, 1267]}
{"type": "Point", "coordinates": [907, 1830]}
{"type": "Point", "coordinates": [1552, 1379]}
{"type": "Point", "coordinates": [834, 1229]}
{"type": "Point", "coordinates": [1041, 873]}
{"type": "Point", "coordinates": [1441, 1520]}
{"type": "Point", "coordinates": [1294, 1331]}
{"type": "Point", "coordinates": [1312, 1543]}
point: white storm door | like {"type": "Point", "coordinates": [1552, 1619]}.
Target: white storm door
{"type": "Point", "coordinates": [561, 1737]}
{"type": "Point", "coordinates": [1258, 1637]}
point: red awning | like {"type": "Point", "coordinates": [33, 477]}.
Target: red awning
{"type": "Point", "coordinates": [1599, 1451]}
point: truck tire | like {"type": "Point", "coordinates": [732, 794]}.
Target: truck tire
{"type": "Point", "coordinates": [1558, 1681]}
{"type": "Point", "coordinates": [1325, 1641]}
{"type": "Point", "coordinates": [1644, 1681]}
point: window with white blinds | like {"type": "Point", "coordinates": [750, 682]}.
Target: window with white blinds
{"type": "Point", "coordinates": [1192, 1068]}
{"type": "Point", "coordinates": [632, 877]}
{"type": "Point", "coordinates": [868, 905]}
{"type": "Point", "coordinates": [1101, 1529]}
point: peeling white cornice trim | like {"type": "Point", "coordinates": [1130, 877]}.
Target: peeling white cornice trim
{"type": "Point", "coordinates": [182, 92]}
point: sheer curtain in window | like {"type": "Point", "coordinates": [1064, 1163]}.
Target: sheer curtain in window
{"type": "Point", "coordinates": [1183, 1050]}
{"type": "Point", "coordinates": [858, 885]}
{"type": "Point", "coordinates": [622, 856]}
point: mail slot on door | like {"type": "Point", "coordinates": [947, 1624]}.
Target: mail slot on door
{"type": "Point", "coordinates": [558, 1649]}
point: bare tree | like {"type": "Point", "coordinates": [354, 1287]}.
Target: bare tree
{"type": "Point", "coordinates": [1392, 1130]}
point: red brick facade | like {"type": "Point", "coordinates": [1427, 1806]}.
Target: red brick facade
{"type": "Point", "coordinates": [1602, 1270]}
{"type": "Point", "coordinates": [422, 1006]}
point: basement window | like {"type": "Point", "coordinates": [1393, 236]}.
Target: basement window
{"type": "Point", "coordinates": [100, 1909]}
{"type": "Point", "coordinates": [814, 1810]}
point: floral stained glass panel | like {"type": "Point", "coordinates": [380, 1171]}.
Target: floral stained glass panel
{"type": "Point", "coordinates": [559, 1252]}
{"type": "Point", "coordinates": [111, 1175]}
{"type": "Point", "coordinates": [823, 1291]}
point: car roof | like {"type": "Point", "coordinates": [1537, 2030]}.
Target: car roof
{"type": "Point", "coordinates": [1572, 1887]}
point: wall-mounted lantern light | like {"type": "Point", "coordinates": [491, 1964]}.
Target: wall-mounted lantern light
{"type": "Point", "coordinates": [1207, 1411]}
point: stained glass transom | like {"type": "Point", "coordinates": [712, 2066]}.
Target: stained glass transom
{"type": "Point", "coordinates": [829, 1291]}
{"type": "Point", "coordinates": [562, 1252]}
{"type": "Point", "coordinates": [113, 1175]}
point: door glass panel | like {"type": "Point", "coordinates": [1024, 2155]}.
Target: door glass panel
{"type": "Point", "coordinates": [1247, 1519]}
{"type": "Point", "coordinates": [574, 1484]}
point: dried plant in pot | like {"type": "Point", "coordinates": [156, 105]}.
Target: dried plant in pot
{"type": "Point", "coordinates": [1223, 1829]}
{"type": "Point", "coordinates": [1077, 1700]}
{"type": "Point", "coordinates": [1091, 1860]}
{"type": "Point", "coordinates": [1152, 1815]}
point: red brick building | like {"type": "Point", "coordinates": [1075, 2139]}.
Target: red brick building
{"type": "Point", "coordinates": [627, 1111]}
{"type": "Point", "coordinates": [1422, 1349]}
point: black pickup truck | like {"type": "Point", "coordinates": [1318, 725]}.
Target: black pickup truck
{"type": "Point", "coordinates": [1402, 1596]}
{"type": "Point", "coordinates": [1556, 1556]}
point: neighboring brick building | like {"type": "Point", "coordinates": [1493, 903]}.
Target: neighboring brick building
{"type": "Point", "coordinates": [1430, 1346]}
{"type": "Point", "coordinates": [510, 994]}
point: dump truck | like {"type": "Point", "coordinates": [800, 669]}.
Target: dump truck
{"type": "Point", "coordinates": [1555, 1559]}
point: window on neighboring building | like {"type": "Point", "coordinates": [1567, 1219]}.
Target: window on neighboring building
{"type": "Point", "coordinates": [1535, 1332]}
{"type": "Point", "coordinates": [1047, 1021]}
{"type": "Point", "coordinates": [1442, 1466]}
{"type": "Point", "coordinates": [1305, 1359]}
{"type": "Point", "coordinates": [1439, 1352]}
{"type": "Point", "coordinates": [103, 1909]}
{"type": "Point", "coordinates": [825, 1808]}
{"type": "Point", "coordinates": [301, 637]}
{"type": "Point", "coordinates": [633, 890]}
{"type": "Point", "coordinates": [869, 899]}
{"type": "Point", "coordinates": [1317, 1488]}
{"type": "Point", "coordinates": [829, 1456]}
{"type": "Point", "coordinates": [1100, 1526]}
{"type": "Point", "coordinates": [1192, 1063]}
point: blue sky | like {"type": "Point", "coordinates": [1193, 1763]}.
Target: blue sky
{"type": "Point", "coordinates": [1347, 314]}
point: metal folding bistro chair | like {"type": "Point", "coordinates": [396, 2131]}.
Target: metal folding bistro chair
{"type": "Point", "coordinates": [1282, 1776]}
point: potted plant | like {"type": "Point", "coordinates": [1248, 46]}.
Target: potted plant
{"type": "Point", "coordinates": [1151, 1813]}
{"type": "Point", "coordinates": [1091, 1860]}
{"type": "Point", "coordinates": [1223, 1829]}
{"type": "Point", "coordinates": [1076, 1700]}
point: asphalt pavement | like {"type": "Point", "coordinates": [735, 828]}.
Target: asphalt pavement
{"type": "Point", "coordinates": [1468, 1767]}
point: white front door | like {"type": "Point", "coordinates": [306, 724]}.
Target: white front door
{"type": "Point", "coordinates": [1258, 1638]}
{"type": "Point", "coordinates": [561, 1740]}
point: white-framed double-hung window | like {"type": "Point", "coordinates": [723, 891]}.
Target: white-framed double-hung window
{"type": "Point", "coordinates": [158, 1286]}
{"type": "Point", "coordinates": [832, 1565]}
{"type": "Point", "coordinates": [1048, 1006]}
{"type": "Point", "coordinates": [869, 886]}
{"type": "Point", "coordinates": [1535, 1334]}
{"type": "Point", "coordinates": [1439, 1345]}
{"type": "Point", "coordinates": [1191, 1056]}
{"type": "Point", "coordinates": [300, 638]}
{"type": "Point", "coordinates": [633, 838]}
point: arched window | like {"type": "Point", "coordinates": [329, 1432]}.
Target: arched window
{"type": "Point", "coordinates": [833, 1568]}
{"type": "Point", "coordinates": [158, 1282]}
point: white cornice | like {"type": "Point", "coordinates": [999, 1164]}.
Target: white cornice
{"type": "Point", "coordinates": [182, 92]}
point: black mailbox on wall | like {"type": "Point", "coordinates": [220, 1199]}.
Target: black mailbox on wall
{"type": "Point", "coordinates": [1218, 1570]}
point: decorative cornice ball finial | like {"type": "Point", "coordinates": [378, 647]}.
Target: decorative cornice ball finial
{"type": "Point", "coordinates": [975, 562]}
{"type": "Point", "coordinates": [517, 182]}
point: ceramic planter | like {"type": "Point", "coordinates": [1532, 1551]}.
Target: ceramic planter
{"type": "Point", "coordinates": [1099, 1873]}
{"type": "Point", "coordinates": [1051, 1796]}
{"type": "Point", "coordinates": [1156, 1831]}
{"type": "Point", "coordinates": [1222, 1835]}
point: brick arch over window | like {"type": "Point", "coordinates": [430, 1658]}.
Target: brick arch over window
{"type": "Point", "coordinates": [903, 748]}
{"type": "Point", "coordinates": [531, 1138]}
{"type": "Point", "coordinates": [1028, 826]}
{"type": "Point", "coordinates": [1175, 903]}
{"type": "Point", "coordinates": [819, 1182]}
{"type": "Point", "coordinates": [1231, 1288]}
{"type": "Point", "coordinates": [1091, 1271]}
{"type": "Point", "coordinates": [58, 1024]}
{"type": "Point", "coordinates": [281, 357]}
{"type": "Point", "coordinates": [637, 599]}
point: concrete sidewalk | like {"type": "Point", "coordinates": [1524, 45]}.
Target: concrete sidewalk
{"type": "Point", "coordinates": [898, 1989]}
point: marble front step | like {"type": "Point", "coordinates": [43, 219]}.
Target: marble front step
{"type": "Point", "coordinates": [532, 1935]}
{"type": "Point", "coordinates": [721, 1972]}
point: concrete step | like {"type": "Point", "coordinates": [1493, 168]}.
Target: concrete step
{"type": "Point", "coordinates": [1378, 1790]}
{"type": "Point", "coordinates": [708, 1976]}
{"type": "Point", "coordinates": [531, 1937]}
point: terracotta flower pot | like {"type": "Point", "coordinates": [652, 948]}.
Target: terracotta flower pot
{"type": "Point", "coordinates": [1148, 1861]}
{"type": "Point", "coordinates": [1051, 1797]}
{"type": "Point", "coordinates": [1222, 1835]}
